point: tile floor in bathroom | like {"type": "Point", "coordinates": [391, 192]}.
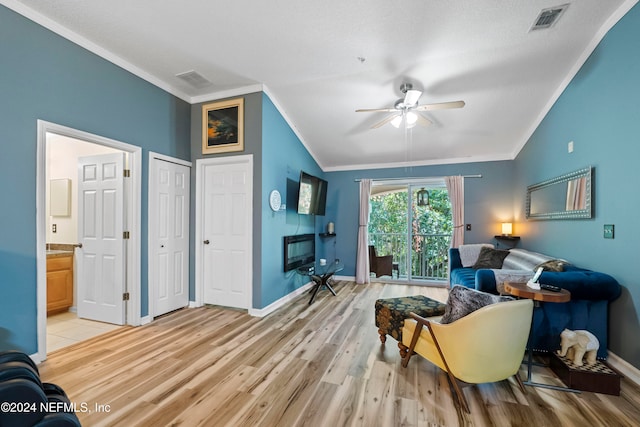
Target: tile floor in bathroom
{"type": "Point", "coordinates": [65, 329]}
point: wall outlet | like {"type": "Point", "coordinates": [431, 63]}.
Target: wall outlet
{"type": "Point", "coordinates": [608, 231]}
{"type": "Point", "coordinates": [54, 228]}
{"type": "Point", "coordinates": [468, 227]}
{"type": "Point", "coordinates": [570, 147]}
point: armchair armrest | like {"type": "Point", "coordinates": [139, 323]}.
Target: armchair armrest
{"type": "Point", "coordinates": [486, 281]}
{"type": "Point", "coordinates": [454, 259]}
{"type": "Point", "coordinates": [584, 284]}
{"type": "Point", "coordinates": [427, 346]}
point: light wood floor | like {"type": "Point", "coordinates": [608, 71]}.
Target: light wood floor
{"type": "Point", "coordinates": [319, 365]}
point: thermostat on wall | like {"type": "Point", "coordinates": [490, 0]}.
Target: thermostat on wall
{"type": "Point", "coordinates": [275, 201]}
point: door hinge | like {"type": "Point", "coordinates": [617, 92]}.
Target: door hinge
{"type": "Point", "coordinates": [125, 296]}
{"type": "Point", "coordinates": [127, 173]}
{"type": "Point", "coordinates": [125, 235]}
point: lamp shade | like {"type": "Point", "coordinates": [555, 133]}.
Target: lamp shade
{"type": "Point", "coordinates": [507, 228]}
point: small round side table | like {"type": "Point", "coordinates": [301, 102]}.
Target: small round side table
{"type": "Point", "coordinates": [521, 290]}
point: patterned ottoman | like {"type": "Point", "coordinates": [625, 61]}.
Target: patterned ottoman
{"type": "Point", "coordinates": [391, 312]}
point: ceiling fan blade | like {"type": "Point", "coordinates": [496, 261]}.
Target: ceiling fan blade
{"type": "Point", "coordinates": [376, 110]}
{"type": "Point", "coordinates": [385, 121]}
{"type": "Point", "coordinates": [440, 106]}
{"type": "Point", "coordinates": [411, 97]}
{"type": "Point", "coordinates": [423, 121]}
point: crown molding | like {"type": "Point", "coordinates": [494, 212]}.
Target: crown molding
{"type": "Point", "coordinates": [213, 96]}
{"type": "Point", "coordinates": [454, 160]}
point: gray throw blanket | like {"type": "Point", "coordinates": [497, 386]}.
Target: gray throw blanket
{"type": "Point", "coordinates": [469, 253]}
{"type": "Point", "coordinates": [520, 259]}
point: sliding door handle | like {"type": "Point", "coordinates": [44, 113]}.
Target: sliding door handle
{"type": "Point", "coordinates": [206, 242]}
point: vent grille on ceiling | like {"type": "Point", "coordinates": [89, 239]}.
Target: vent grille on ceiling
{"type": "Point", "coordinates": [194, 79]}
{"type": "Point", "coordinates": [548, 17]}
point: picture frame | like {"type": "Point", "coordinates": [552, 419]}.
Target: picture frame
{"type": "Point", "coordinates": [223, 126]}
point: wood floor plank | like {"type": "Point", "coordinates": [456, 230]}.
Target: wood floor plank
{"type": "Point", "coordinates": [319, 365]}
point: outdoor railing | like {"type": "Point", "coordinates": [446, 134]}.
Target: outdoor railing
{"type": "Point", "coordinates": [429, 253]}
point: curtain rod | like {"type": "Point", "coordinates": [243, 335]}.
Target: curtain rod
{"type": "Point", "coordinates": [411, 179]}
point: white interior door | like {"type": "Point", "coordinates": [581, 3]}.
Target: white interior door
{"type": "Point", "coordinates": [226, 234]}
{"type": "Point", "coordinates": [169, 231]}
{"type": "Point", "coordinates": [101, 267]}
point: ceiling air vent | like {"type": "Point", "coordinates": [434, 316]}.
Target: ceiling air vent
{"type": "Point", "coordinates": [193, 78]}
{"type": "Point", "coordinates": [548, 17]}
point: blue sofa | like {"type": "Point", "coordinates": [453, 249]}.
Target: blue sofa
{"type": "Point", "coordinates": [591, 293]}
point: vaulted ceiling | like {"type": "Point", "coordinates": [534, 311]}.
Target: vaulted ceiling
{"type": "Point", "coordinates": [320, 61]}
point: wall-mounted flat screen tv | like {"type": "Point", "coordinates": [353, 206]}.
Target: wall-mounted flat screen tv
{"type": "Point", "coordinates": [312, 195]}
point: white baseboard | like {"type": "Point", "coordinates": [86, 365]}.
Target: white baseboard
{"type": "Point", "coordinates": [144, 320]}
{"type": "Point", "coordinates": [36, 358]}
{"type": "Point", "coordinates": [279, 303]}
{"type": "Point", "coordinates": [194, 304]}
{"type": "Point", "coordinates": [629, 371]}
{"type": "Point", "coordinates": [349, 278]}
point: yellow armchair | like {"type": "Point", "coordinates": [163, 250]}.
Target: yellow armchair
{"type": "Point", "coordinates": [487, 345]}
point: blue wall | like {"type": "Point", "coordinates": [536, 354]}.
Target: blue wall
{"type": "Point", "coordinates": [44, 76]}
{"type": "Point", "coordinates": [488, 201]}
{"type": "Point", "coordinates": [283, 157]}
{"type": "Point", "coordinates": [600, 112]}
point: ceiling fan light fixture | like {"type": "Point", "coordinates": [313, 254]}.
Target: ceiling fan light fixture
{"type": "Point", "coordinates": [397, 121]}
{"type": "Point", "coordinates": [411, 118]}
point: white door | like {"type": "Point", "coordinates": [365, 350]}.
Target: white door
{"type": "Point", "coordinates": [226, 234]}
{"type": "Point", "coordinates": [169, 232]}
{"type": "Point", "coordinates": [101, 266]}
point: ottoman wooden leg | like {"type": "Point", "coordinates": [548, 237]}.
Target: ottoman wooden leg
{"type": "Point", "coordinates": [403, 350]}
{"type": "Point", "coordinates": [383, 336]}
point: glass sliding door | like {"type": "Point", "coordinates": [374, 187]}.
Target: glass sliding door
{"type": "Point", "coordinates": [430, 232]}
{"type": "Point", "coordinates": [411, 221]}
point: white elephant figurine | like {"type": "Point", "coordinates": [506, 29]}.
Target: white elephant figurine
{"type": "Point", "coordinates": [575, 344]}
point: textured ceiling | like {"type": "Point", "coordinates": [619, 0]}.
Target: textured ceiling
{"type": "Point", "coordinates": [320, 61]}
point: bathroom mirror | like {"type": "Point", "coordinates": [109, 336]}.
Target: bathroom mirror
{"type": "Point", "coordinates": [59, 197]}
{"type": "Point", "coordinates": [564, 197]}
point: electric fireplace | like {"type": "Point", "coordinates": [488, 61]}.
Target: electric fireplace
{"type": "Point", "coordinates": [299, 250]}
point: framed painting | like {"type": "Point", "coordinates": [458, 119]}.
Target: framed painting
{"type": "Point", "coordinates": [223, 126]}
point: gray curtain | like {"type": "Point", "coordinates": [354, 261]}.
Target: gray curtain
{"type": "Point", "coordinates": [362, 261]}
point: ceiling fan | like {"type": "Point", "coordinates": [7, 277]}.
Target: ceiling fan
{"type": "Point", "coordinates": [407, 109]}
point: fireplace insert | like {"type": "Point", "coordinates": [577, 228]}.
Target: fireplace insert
{"type": "Point", "coordinates": [299, 250]}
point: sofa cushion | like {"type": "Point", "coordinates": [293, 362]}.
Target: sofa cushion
{"type": "Point", "coordinates": [463, 301]}
{"type": "Point", "coordinates": [463, 276]}
{"type": "Point", "coordinates": [490, 258]}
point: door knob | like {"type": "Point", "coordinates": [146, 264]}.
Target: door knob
{"type": "Point", "coordinates": [162, 246]}
{"type": "Point", "coordinates": [206, 242]}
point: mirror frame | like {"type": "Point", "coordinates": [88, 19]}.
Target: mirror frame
{"type": "Point", "coordinates": [577, 214]}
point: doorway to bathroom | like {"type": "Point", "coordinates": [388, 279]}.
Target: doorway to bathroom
{"type": "Point", "coordinates": [87, 264]}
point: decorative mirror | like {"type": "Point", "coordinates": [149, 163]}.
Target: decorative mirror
{"type": "Point", "coordinates": [564, 197]}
